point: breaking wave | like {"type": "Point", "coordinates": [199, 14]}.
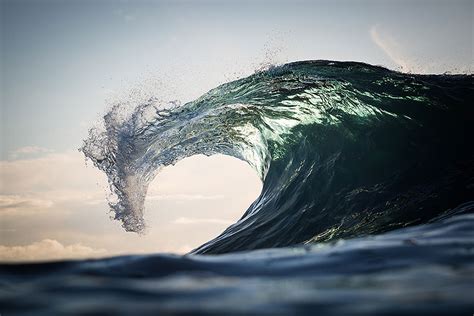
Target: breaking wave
{"type": "Point", "coordinates": [344, 149]}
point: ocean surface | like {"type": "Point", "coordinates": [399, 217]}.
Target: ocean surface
{"type": "Point", "coordinates": [367, 206]}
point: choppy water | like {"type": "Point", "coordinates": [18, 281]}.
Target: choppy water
{"type": "Point", "coordinates": [421, 270]}
{"type": "Point", "coordinates": [366, 207]}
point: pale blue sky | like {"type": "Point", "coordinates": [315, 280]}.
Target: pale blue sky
{"type": "Point", "coordinates": [60, 60]}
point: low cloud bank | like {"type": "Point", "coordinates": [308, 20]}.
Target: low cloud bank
{"type": "Point", "coordinates": [48, 249]}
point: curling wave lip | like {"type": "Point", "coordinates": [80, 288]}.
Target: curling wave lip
{"type": "Point", "coordinates": [344, 149]}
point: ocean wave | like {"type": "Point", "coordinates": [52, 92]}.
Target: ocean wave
{"type": "Point", "coordinates": [344, 149]}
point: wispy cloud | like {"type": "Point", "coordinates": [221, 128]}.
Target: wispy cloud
{"type": "Point", "coordinates": [28, 151]}
{"type": "Point", "coordinates": [192, 221]}
{"type": "Point", "coordinates": [48, 249]}
{"type": "Point", "coordinates": [17, 202]}
{"type": "Point", "coordinates": [126, 15]}
{"type": "Point", "coordinates": [61, 175]}
{"type": "Point", "coordinates": [184, 197]}
{"type": "Point", "coordinates": [56, 193]}
{"type": "Point", "coordinates": [393, 49]}
{"type": "Point", "coordinates": [47, 182]}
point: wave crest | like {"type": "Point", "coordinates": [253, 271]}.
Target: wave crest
{"type": "Point", "coordinates": [343, 149]}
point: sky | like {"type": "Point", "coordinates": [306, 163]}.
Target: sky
{"type": "Point", "coordinates": [64, 63]}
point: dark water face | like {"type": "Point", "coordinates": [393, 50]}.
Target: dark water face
{"type": "Point", "coordinates": [366, 208]}
{"type": "Point", "coordinates": [380, 150]}
{"type": "Point", "coordinates": [343, 149]}
{"type": "Point", "coordinates": [421, 270]}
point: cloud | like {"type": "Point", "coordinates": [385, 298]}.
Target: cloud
{"type": "Point", "coordinates": [57, 196]}
{"type": "Point", "coordinates": [129, 17]}
{"type": "Point", "coordinates": [184, 197]}
{"type": "Point", "coordinates": [392, 48]}
{"type": "Point", "coordinates": [184, 249]}
{"type": "Point", "coordinates": [48, 249]}
{"type": "Point", "coordinates": [17, 202]}
{"type": "Point", "coordinates": [31, 150]}
{"type": "Point", "coordinates": [126, 15]}
{"type": "Point", "coordinates": [52, 183]}
{"type": "Point", "coordinates": [28, 151]}
{"type": "Point", "coordinates": [56, 176]}
{"type": "Point", "coordinates": [189, 220]}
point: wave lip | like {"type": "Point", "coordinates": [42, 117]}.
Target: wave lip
{"type": "Point", "coordinates": [343, 149]}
